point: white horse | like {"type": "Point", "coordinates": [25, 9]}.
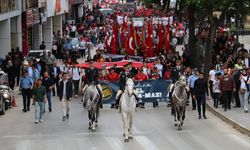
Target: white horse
{"type": "Point", "coordinates": [128, 106]}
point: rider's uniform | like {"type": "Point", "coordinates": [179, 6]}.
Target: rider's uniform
{"type": "Point", "coordinates": [91, 75]}
{"type": "Point", "coordinates": [122, 83]}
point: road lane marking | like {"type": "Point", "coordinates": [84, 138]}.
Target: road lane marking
{"type": "Point", "coordinates": [145, 143]}
{"type": "Point", "coordinates": [179, 142]}
{"type": "Point", "coordinates": [114, 142]}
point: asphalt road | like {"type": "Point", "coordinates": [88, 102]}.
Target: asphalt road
{"type": "Point", "coordinates": [153, 130]}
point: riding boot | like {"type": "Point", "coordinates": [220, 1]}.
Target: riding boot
{"type": "Point", "coordinates": [100, 99]}
{"type": "Point", "coordinates": [137, 100]}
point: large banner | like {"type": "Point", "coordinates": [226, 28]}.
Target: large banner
{"type": "Point", "coordinates": [149, 91]}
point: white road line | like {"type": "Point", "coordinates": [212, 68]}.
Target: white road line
{"type": "Point", "coordinates": [242, 141]}
{"type": "Point", "coordinates": [114, 142]}
{"type": "Point", "coordinates": [145, 143]}
{"type": "Point", "coordinates": [206, 143]}
{"type": "Point", "coordinates": [179, 142]}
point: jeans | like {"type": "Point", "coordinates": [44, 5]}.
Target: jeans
{"type": "Point", "coordinates": [201, 101]}
{"type": "Point", "coordinates": [244, 100]}
{"type": "Point", "coordinates": [216, 99]}
{"type": "Point", "coordinates": [48, 95]}
{"type": "Point", "coordinates": [39, 108]}
{"type": "Point", "coordinates": [76, 86]}
{"type": "Point", "coordinates": [26, 98]}
{"type": "Point", "coordinates": [227, 97]}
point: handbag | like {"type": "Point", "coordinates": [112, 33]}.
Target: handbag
{"type": "Point", "coordinates": [242, 91]}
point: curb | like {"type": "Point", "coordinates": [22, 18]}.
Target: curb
{"type": "Point", "coordinates": [233, 123]}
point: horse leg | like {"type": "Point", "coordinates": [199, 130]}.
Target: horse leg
{"type": "Point", "coordinates": [130, 127]}
{"type": "Point", "coordinates": [93, 121]}
{"type": "Point", "coordinates": [180, 118]}
{"type": "Point", "coordinates": [97, 115]}
{"type": "Point", "coordinates": [90, 124]}
{"type": "Point", "coordinates": [175, 117]}
{"type": "Point", "coordinates": [183, 115]}
{"type": "Point", "coordinates": [126, 126]}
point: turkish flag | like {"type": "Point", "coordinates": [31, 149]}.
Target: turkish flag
{"type": "Point", "coordinates": [167, 44]}
{"type": "Point", "coordinates": [149, 41]}
{"type": "Point", "coordinates": [114, 40]}
{"type": "Point", "coordinates": [130, 41]}
{"type": "Point", "coordinates": [159, 44]}
{"type": "Point", "coordinates": [123, 32]}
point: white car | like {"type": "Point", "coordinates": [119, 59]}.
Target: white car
{"type": "Point", "coordinates": [35, 54]}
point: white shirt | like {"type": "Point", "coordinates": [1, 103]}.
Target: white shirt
{"type": "Point", "coordinates": [216, 86]}
{"type": "Point", "coordinates": [243, 82]}
{"type": "Point", "coordinates": [160, 68]}
{"type": "Point", "coordinates": [212, 75]}
{"type": "Point", "coordinates": [101, 46]}
{"type": "Point", "coordinates": [73, 28]}
{"type": "Point", "coordinates": [75, 73]}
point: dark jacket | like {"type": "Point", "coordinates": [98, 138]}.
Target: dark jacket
{"type": "Point", "coordinates": [69, 91]}
{"type": "Point", "coordinates": [200, 87]}
{"type": "Point", "coordinates": [123, 78]}
{"type": "Point", "coordinates": [92, 75]}
{"type": "Point", "coordinates": [52, 73]}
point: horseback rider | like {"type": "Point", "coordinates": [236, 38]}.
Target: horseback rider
{"type": "Point", "coordinates": [92, 78]}
{"type": "Point", "coordinates": [122, 82]}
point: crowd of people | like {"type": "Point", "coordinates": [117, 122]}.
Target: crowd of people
{"type": "Point", "coordinates": [228, 82]}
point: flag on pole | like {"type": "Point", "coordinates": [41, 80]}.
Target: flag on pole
{"type": "Point", "coordinates": [114, 40]}
{"type": "Point", "coordinates": [149, 41]}
{"type": "Point", "coordinates": [159, 43]}
{"type": "Point", "coordinates": [167, 32]}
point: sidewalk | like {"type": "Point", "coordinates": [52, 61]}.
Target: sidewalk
{"type": "Point", "coordinates": [235, 117]}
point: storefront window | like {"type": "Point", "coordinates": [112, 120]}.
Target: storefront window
{"type": "Point", "coordinates": [31, 3]}
{"type": "Point", "coordinates": [7, 5]}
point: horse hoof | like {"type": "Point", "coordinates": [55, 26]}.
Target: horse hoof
{"type": "Point", "coordinates": [179, 128]}
{"type": "Point", "coordinates": [130, 137]}
{"type": "Point", "coordinates": [126, 140]}
{"type": "Point", "coordinates": [175, 124]}
{"type": "Point", "coordinates": [89, 128]}
{"type": "Point", "coordinates": [123, 135]}
{"type": "Point", "coordinates": [93, 130]}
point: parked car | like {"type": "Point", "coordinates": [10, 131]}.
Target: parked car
{"type": "Point", "coordinates": [34, 54]}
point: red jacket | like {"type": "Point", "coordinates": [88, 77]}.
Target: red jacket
{"type": "Point", "coordinates": [167, 75]}
{"type": "Point", "coordinates": [113, 77]}
{"type": "Point", "coordinates": [141, 77]}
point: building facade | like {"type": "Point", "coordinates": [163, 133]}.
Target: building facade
{"type": "Point", "coordinates": [10, 26]}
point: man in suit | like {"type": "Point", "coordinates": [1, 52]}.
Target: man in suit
{"type": "Point", "coordinates": [65, 95]}
{"type": "Point", "coordinates": [55, 76]}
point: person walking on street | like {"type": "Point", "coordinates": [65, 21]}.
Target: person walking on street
{"type": "Point", "coordinates": [39, 99]}
{"type": "Point", "coordinates": [216, 90]}
{"type": "Point", "coordinates": [65, 95]}
{"type": "Point", "coordinates": [200, 91]}
{"type": "Point", "coordinates": [191, 80]}
{"type": "Point", "coordinates": [76, 75]}
{"type": "Point", "coordinates": [244, 90]}
{"type": "Point", "coordinates": [26, 84]}
{"type": "Point", "coordinates": [227, 87]}
{"type": "Point", "coordinates": [48, 83]}
{"type": "Point", "coordinates": [55, 73]}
